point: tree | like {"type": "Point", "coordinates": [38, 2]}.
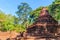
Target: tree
{"type": "Point", "coordinates": [8, 24]}
{"type": "Point", "coordinates": [54, 9]}
{"type": "Point", "coordinates": [23, 15]}
{"type": "Point", "coordinates": [23, 12]}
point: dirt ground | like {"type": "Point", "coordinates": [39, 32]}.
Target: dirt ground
{"type": "Point", "coordinates": [5, 35]}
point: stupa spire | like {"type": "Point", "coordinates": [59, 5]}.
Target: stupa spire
{"type": "Point", "coordinates": [44, 11]}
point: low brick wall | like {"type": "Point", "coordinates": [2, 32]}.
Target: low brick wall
{"type": "Point", "coordinates": [39, 38]}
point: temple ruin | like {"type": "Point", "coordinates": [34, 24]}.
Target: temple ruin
{"type": "Point", "coordinates": [44, 28]}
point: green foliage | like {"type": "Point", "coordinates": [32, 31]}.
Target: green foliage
{"type": "Point", "coordinates": [57, 1]}
{"type": "Point", "coordinates": [7, 23]}
{"type": "Point", "coordinates": [23, 12]}
{"type": "Point", "coordinates": [35, 13]}
{"type": "Point", "coordinates": [54, 9]}
{"type": "Point", "coordinates": [26, 16]}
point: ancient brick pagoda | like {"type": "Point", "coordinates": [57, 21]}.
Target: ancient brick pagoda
{"type": "Point", "coordinates": [44, 26]}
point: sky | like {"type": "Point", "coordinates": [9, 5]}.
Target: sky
{"type": "Point", "coordinates": [10, 6]}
